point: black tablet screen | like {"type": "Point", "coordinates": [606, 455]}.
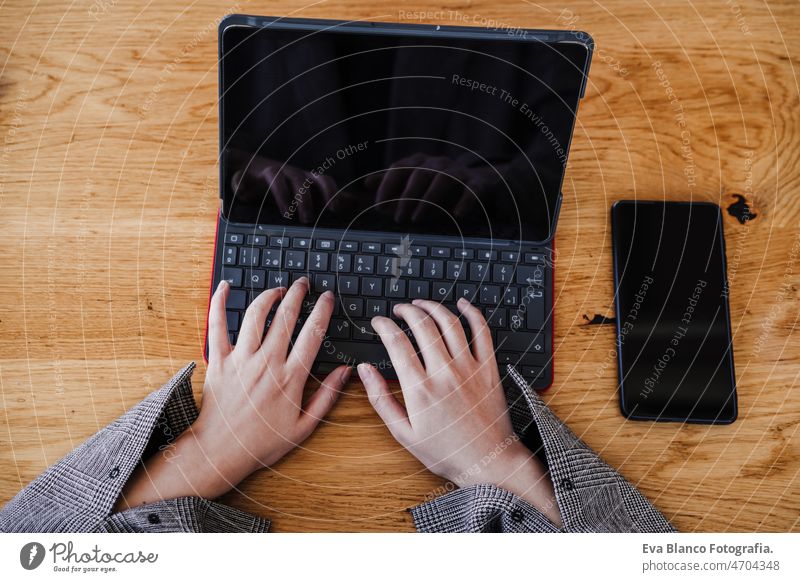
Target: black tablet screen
{"type": "Point", "coordinates": [394, 132]}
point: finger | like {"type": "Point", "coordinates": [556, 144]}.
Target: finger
{"type": "Point", "coordinates": [415, 187]}
{"type": "Point", "coordinates": [252, 330]}
{"type": "Point", "coordinates": [323, 399]}
{"type": "Point", "coordinates": [276, 184]}
{"type": "Point", "coordinates": [452, 331]}
{"type": "Point", "coordinates": [305, 348]}
{"type": "Point", "coordinates": [482, 347]}
{"type": "Point", "coordinates": [373, 180]}
{"type": "Point", "coordinates": [218, 343]}
{"type": "Point", "coordinates": [402, 354]}
{"type": "Point", "coordinates": [285, 320]}
{"type": "Point", "coordinates": [392, 183]}
{"type": "Point", "coordinates": [327, 188]}
{"type": "Point", "coordinates": [392, 413]}
{"type": "Point", "coordinates": [440, 189]}
{"type": "Point", "coordinates": [466, 204]}
{"type": "Point", "coordinates": [429, 338]}
{"type": "Point", "coordinates": [301, 195]}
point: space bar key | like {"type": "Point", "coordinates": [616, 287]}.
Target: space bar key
{"type": "Point", "coordinates": [353, 354]}
{"type": "Point", "coordinates": [520, 341]}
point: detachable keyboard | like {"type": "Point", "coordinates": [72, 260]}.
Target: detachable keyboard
{"type": "Point", "coordinates": [369, 277]}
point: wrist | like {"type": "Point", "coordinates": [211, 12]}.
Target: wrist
{"type": "Point", "coordinates": [212, 468]}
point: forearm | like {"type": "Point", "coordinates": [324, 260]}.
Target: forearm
{"type": "Point", "coordinates": [184, 469]}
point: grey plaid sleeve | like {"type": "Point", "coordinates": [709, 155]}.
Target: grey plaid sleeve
{"type": "Point", "coordinates": [78, 493]}
{"type": "Point", "coordinates": [591, 495]}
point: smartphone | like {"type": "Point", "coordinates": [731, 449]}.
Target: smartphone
{"type": "Point", "coordinates": [674, 346]}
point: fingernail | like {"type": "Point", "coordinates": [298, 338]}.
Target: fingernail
{"type": "Point", "coordinates": [221, 285]}
{"type": "Point", "coordinates": [364, 370]}
{"type": "Point", "coordinates": [463, 301]}
{"type": "Point", "coordinates": [328, 294]}
{"type": "Point", "coordinates": [346, 373]}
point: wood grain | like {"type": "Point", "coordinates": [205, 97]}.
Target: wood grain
{"type": "Point", "coordinates": [109, 197]}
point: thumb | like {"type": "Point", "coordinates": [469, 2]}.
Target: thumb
{"type": "Point", "coordinates": [323, 399]}
{"type": "Point", "coordinates": [392, 413]}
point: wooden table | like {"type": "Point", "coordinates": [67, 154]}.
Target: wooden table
{"type": "Point", "coordinates": [109, 197]}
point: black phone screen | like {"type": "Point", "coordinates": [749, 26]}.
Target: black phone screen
{"type": "Point", "coordinates": [673, 326]}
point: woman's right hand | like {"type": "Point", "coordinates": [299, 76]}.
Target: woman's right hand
{"type": "Point", "coordinates": [455, 419]}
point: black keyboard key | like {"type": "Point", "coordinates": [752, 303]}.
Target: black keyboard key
{"type": "Point", "coordinates": [517, 359]}
{"type": "Point", "coordinates": [318, 261]}
{"type": "Point", "coordinates": [232, 337]}
{"type": "Point", "coordinates": [302, 243]}
{"type": "Point", "coordinates": [364, 265]}
{"type": "Point", "coordinates": [348, 245]}
{"type": "Point", "coordinates": [279, 241]}
{"type": "Point", "coordinates": [237, 299]}
{"type": "Point", "coordinates": [467, 290]}
{"type": "Point", "coordinates": [534, 258]}
{"type": "Point", "coordinates": [371, 287]}
{"type": "Point", "coordinates": [362, 330]}
{"type": "Point", "coordinates": [411, 268]}
{"type": "Point", "coordinates": [511, 297]}
{"type": "Point", "coordinates": [511, 256]}
{"type": "Point", "coordinates": [478, 271]}
{"type": "Point", "coordinates": [376, 307]}
{"type": "Point", "coordinates": [234, 238]}
{"type": "Point", "coordinates": [295, 260]}
{"type": "Point", "coordinates": [440, 252]}
{"type": "Point", "coordinates": [233, 320]}
{"type": "Point", "coordinates": [418, 290]}
{"type": "Point", "coordinates": [456, 270]}
{"type": "Point", "coordinates": [502, 274]}
{"type": "Point", "coordinates": [258, 240]}
{"type": "Point", "coordinates": [342, 262]}
{"type": "Point", "coordinates": [396, 288]}
{"type": "Point", "coordinates": [277, 279]}
{"type": "Point", "coordinates": [534, 308]}
{"type": "Point", "coordinates": [353, 306]}
{"type": "Point", "coordinates": [233, 276]}
{"type": "Point", "coordinates": [496, 317]}
{"type": "Point", "coordinates": [324, 282]}
{"type": "Point", "coordinates": [464, 253]}
{"type": "Point", "coordinates": [254, 279]}
{"type": "Point", "coordinates": [520, 341]}
{"type": "Point", "coordinates": [531, 275]}
{"type": "Point", "coordinates": [248, 256]}
{"type": "Point", "coordinates": [371, 247]}
{"type": "Point", "coordinates": [531, 372]}
{"type": "Point", "coordinates": [433, 269]}
{"type": "Point", "coordinates": [490, 294]}
{"type": "Point", "coordinates": [339, 329]}
{"type": "Point", "coordinates": [271, 258]}
{"type": "Point", "coordinates": [442, 292]}
{"type": "Point", "coordinates": [348, 285]}
{"type": "Point", "coordinates": [326, 245]}
{"type": "Point", "coordinates": [487, 255]}
{"type": "Point", "coordinates": [229, 255]}
{"type": "Point", "coordinates": [388, 266]}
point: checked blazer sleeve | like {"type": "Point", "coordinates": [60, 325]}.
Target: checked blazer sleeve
{"type": "Point", "coordinates": [78, 493]}
{"type": "Point", "coordinates": [591, 496]}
